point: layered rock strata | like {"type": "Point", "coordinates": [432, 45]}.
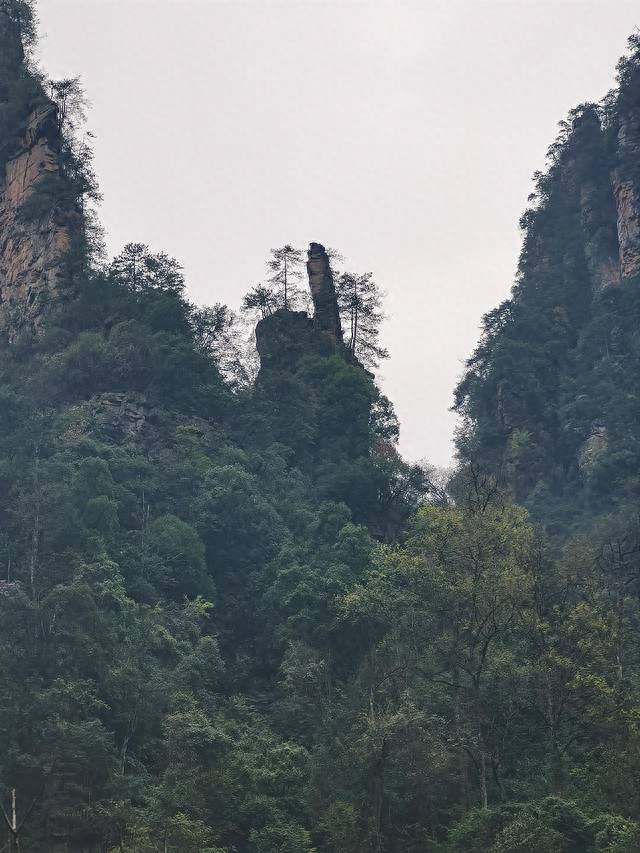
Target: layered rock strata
{"type": "Point", "coordinates": [33, 244]}
{"type": "Point", "coordinates": [323, 292]}
{"type": "Point", "coordinates": [626, 189]}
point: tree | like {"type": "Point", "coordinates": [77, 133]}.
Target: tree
{"type": "Point", "coordinates": [141, 271]}
{"type": "Point", "coordinates": [71, 101]}
{"type": "Point", "coordinates": [359, 302]}
{"type": "Point", "coordinates": [221, 334]}
{"type": "Point", "coordinates": [73, 188]}
{"type": "Point", "coordinates": [22, 15]}
{"type": "Point", "coordinates": [285, 268]}
{"type": "Point", "coordinates": [261, 301]}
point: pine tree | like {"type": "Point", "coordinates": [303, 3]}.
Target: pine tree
{"type": "Point", "coordinates": [359, 301]}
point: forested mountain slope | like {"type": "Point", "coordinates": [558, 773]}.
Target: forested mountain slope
{"type": "Point", "coordinates": [232, 619]}
{"type": "Point", "coordinates": [550, 397]}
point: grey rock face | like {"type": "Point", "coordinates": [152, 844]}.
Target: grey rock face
{"type": "Point", "coordinates": [283, 338]}
{"type": "Point", "coordinates": [601, 245]}
{"type": "Point", "coordinates": [120, 416]}
{"type": "Point", "coordinates": [627, 194]}
{"type": "Point", "coordinates": [593, 447]}
{"type": "Point", "coordinates": [323, 292]}
{"type": "Point", "coordinates": [586, 178]}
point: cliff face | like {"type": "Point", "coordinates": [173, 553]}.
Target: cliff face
{"type": "Point", "coordinates": [587, 175]}
{"type": "Point", "coordinates": [286, 336]}
{"type": "Point", "coordinates": [601, 173]}
{"type": "Point", "coordinates": [626, 188]}
{"type": "Point", "coordinates": [550, 395]}
{"type": "Point", "coordinates": [31, 250]}
{"type": "Point", "coordinates": [33, 246]}
{"type": "Point", "coordinates": [323, 292]}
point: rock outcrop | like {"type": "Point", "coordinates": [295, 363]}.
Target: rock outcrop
{"type": "Point", "coordinates": [626, 188]}
{"type": "Point", "coordinates": [600, 245]}
{"type": "Point", "coordinates": [589, 181]}
{"type": "Point", "coordinates": [120, 416]}
{"type": "Point", "coordinates": [283, 337]}
{"type": "Point", "coordinates": [323, 292]}
{"type": "Point", "coordinates": [601, 175]}
{"type": "Point", "coordinates": [33, 245]}
{"type": "Point", "coordinates": [594, 446]}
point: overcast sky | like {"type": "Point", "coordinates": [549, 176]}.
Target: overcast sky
{"type": "Point", "coordinates": [404, 134]}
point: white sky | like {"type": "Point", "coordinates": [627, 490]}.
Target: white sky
{"type": "Point", "coordinates": [404, 134]}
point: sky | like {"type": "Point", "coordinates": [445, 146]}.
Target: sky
{"type": "Point", "coordinates": [403, 134]}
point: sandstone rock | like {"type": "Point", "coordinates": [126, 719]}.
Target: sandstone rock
{"type": "Point", "coordinates": [283, 338]}
{"type": "Point", "coordinates": [601, 246]}
{"type": "Point", "coordinates": [626, 190]}
{"type": "Point", "coordinates": [323, 292]}
{"type": "Point", "coordinates": [587, 179]}
{"type": "Point", "coordinates": [32, 249]}
{"type": "Point", "coordinates": [286, 336]}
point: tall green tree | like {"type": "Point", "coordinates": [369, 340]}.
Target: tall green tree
{"type": "Point", "coordinates": [359, 302]}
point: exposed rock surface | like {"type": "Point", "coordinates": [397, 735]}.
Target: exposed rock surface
{"type": "Point", "coordinates": [593, 447]}
{"type": "Point", "coordinates": [120, 415]}
{"type": "Point", "coordinates": [626, 188]}
{"type": "Point", "coordinates": [601, 245]}
{"type": "Point", "coordinates": [283, 338]}
{"type": "Point", "coordinates": [32, 248]}
{"type": "Point", "coordinates": [286, 336]}
{"type": "Point", "coordinates": [323, 292]}
{"type": "Point", "coordinates": [592, 183]}
{"type": "Point", "coordinates": [587, 186]}
{"type": "Point", "coordinates": [603, 178]}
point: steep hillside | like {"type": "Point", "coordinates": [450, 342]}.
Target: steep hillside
{"type": "Point", "coordinates": [42, 183]}
{"type": "Point", "coordinates": [140, 492]}
{"type": "Point", "coordinates": [232, 618]}
{"type": "Point", "coordinates": [550, 397]}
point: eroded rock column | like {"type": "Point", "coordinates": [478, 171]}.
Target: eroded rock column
{"type": "Point", "coordinates": [323, 292]}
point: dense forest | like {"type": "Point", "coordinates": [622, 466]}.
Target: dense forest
{"type": "Point", "coordinates": [232, 618]}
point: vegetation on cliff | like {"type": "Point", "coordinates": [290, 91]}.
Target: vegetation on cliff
{"type": "Point", "coordinates": [549, 398]}
{"type": "Point", "coordinates": [234, 620]}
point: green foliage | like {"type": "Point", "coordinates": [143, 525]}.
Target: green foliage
{"type": "Point", "coordinates": [22, 17]}
{"type": "Point", "coordinates": [552, 825]}
{"type": "Point", "coordinates": [359, 301]}
{"type": "Point", "coordinates": [285, 274]}
{"type": "Point", "coordinates": [558, 362]}
{"type": "Point", "coordinates": [235, 622]}
{"type": "Point", "coordinates": [232, 618]}
{"type": "Point", "coordinates": [169, 534]}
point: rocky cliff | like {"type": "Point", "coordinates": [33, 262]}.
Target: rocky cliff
{"type": "Point", "coordinates": [626, 184]}
{"type": "Point", "coordinates": [587, 177]}
{"type": "Point", "coordinates": [286, 336]}
{"type": "Point", "coordinates": [549, 398]}
{"type": "Point", "coordinates": [33, 241]}
{"type": "Point", "coordinates": [323, 292]}
{"type": "Point", "coordinates": [600, 179]}
{"type": "Point", "coordinates": [599, 172]}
